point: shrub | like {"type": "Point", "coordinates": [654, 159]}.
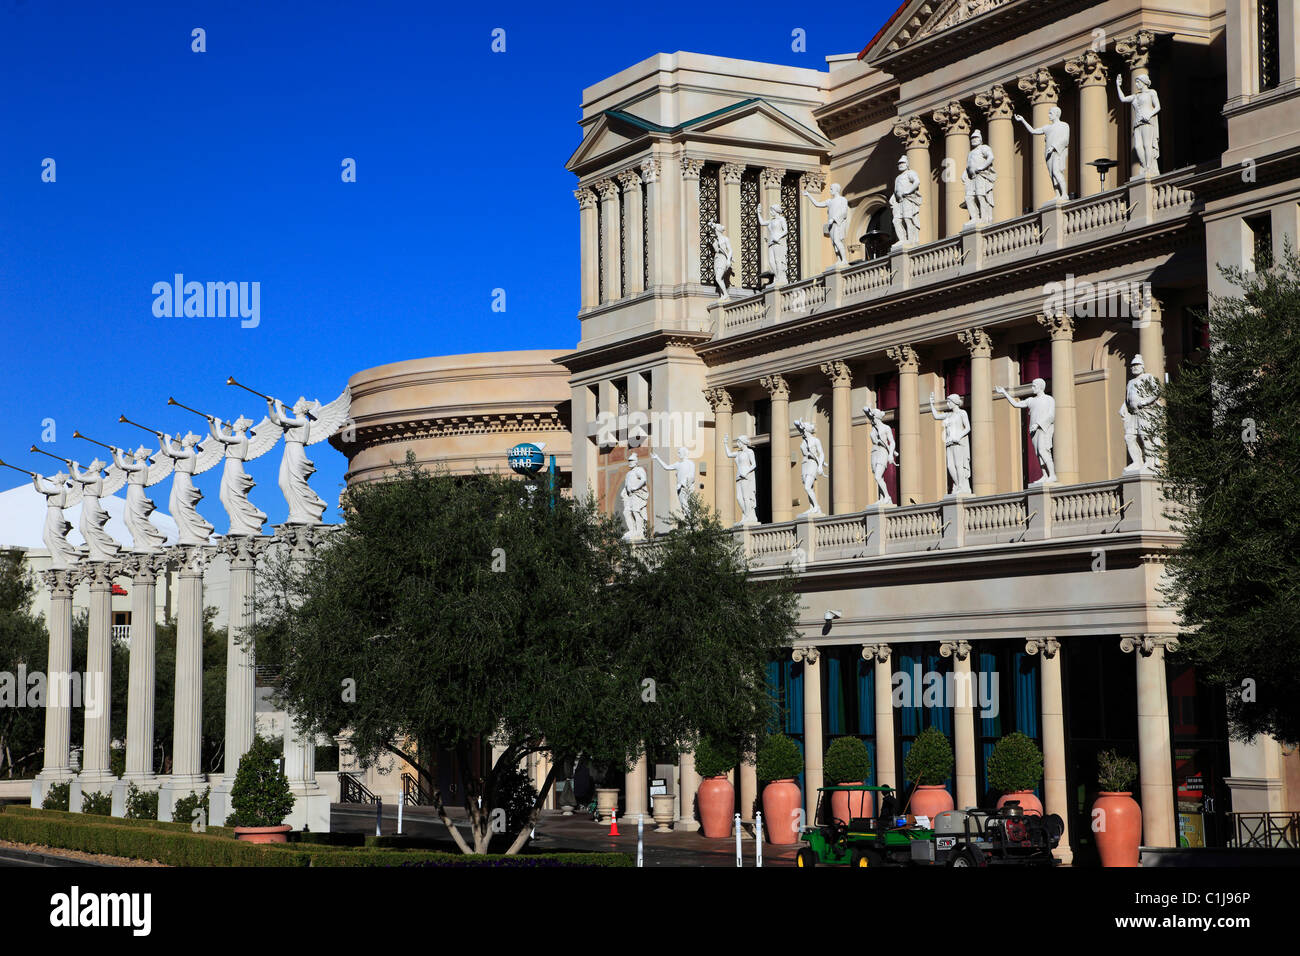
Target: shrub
{"type": "Point", "coordinates": [847, 761]}
{"type": "Point", "coordinates": [930, 759]}
{"type": "Point", "coordinates": [183, 811]}
{"type": "Point", "coordinates": [99, 803]}
{"type": "Point", "coordinates": [117, 761]}
{"type": "Point", "coordinates": [1115, 773]}
{"type": "Point", "coordinates": [1015, 764]}
{"type": "Point", "coordinates": [712, 760]}
{"type": "Point", "coordinates": [141, 804]}
{"type": "Point", "coordinates": [778, 759]}
{"type": "Point", "coordinates": [515, 794]}
{"type": "Point", "coordinates": [260, 796]}
{"type": "Point", "coordinates": [56, 798]}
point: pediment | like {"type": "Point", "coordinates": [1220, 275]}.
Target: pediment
{"type": "Point", "coordinates": [920, 20]}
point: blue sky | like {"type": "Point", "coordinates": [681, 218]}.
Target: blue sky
{"type": "Point", "coordinates": [225, 166]}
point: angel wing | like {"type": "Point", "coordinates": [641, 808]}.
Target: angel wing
{"type": "Point", "coordinates": [162, 467]}
{"type": "Point", "coordinates": [114, 478]}
{"type": "Point", "coordinates": [74, 494]}
{"type": "Point", "coordinates": [207, 455]}
{"type": "Point", "coordinates": [265, 434]}
{"type": "Point", "coordinates": [330, 418]}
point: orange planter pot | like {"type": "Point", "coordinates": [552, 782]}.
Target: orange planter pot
{"type": "Point", "coordinates": [848, 806]}
{"type": "Point", "coordinates": [278, 834]}
{"type": "Point", "coordinates": [1118, 828]}
{"type": "Point", "coordinates": [717, 800]}
{"type": "Point", "coordinates": [781, 801]}
{"type": "Point", "coordinates": [1027, 799]}
{"type": "Point", "coordinates": [930, 800]}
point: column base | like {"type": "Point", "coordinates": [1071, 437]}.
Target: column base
{"type": "Point", "coordinates": [144, 781]}
{"type": "Point", "coordinates": [311, 807]}
{"type": "Point", "coordinates": [178, 787]}
{"type": "Point", "coordinates": [219, 801]}
{"type": "Point", "coordinates": [46, 779]}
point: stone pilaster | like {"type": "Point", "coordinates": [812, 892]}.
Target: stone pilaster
{"type": "Point", "coordinates": [984, 479]}
{"type": "Point", "coordinates": [955, 123]}
{"type": "Point", "coordinates": [1044, 93]}
{"type": "Point", "coordinates": [1136, 52]}
{"type": "Point", "coordinates": [724, 470]}
{"type": "Point", "coordinates": [1065, 449]}
{"type": "Point", "coordinates": [779, 390]}
{"type": "Point", "coordinates": [655, 272]}
{"type": "Point", "coordinates": [1155, 759]}
{"type": "Point", "coordinates": [769, 192]}
{"type": "Point", "coordinates": [909, 422]}
{"type": "Point", "coordinates": [691, 169]}
{"type": "Point", "coordinates": [841, 436]}
{"type": "Point", "coordinates": [633, 236]}
{"type": "Point", "coordinates": [729, 205]}
{"type": "Point", "coordinates": [812, 726]}
{"type": "Point", "coordinates": [588, 240]}
{"type": "Point", "coordinates": [1092, 77]}
{"type": "Point", "coordinates": [915, 137]}
{"type": "Point", "coordinates": [963, 721]}
{"type": "Point", "coordinates": [813, 246]}
{"type": "Point", "coordinates": [883, 677]}
{"type": "Point", "coordinates": [995, 103]}
{"type": "Point", "coordinates": [1055, 794]}
{"type": "Point", "coordinates": [611, 228]}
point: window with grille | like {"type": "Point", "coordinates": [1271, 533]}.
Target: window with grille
{"type": "Point", "coordinates": [600, 252]}
{"type": "Point", "coordinates": [622, 241]}
{"type": "Point", "coordinates": [1269, 71]}
{"type": "Point", "coordinates": [790, 209]}
{"type": "Point", "coordinates": [709, 214]}
{"type": "Point", "coordinates": [751, 256]}
{"type": "Point", "coordinates": [645, 236]}
{"type": "Point", "coordinates": [1261, 232]}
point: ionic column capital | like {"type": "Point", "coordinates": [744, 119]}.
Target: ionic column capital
{"type": "Point", "coordinates": [691, 168]}
{"type": "Point", "coordinates": [630, 180]}
{"type": "Point", "coordinates": [1088, 69]}
{"type": "Point", "coordinates": [731, 172]}
{"type": "Point", "coordinates": [953, 119]}
{"type": "Point", "coordinates": [777, 387]}
{"type": "Point", "coordinates": [1148, 644]}
{"type": "Point", "coordinates": [839, 373]}
{"type": "Point", "coordinates": [878, 653]}
{"type": "Point", "coordinates": [771, 178]}
{"type": "Point", "coordinates": [979, 342]}
{"type": "Point", "coordinates": [959, 650]}
{"type": "Point", "coordinates": [1047, 646]}
{"type": "Point", "coordinates": [1136, 49]}
{"type": "Point", "coordinates": [1059, 324]}
{"type": "Point", "coordinates": [719, 399]}
{"type": "Point", "coordinates": [912, 132]}
{"type": "Point", "coordinates": [905, 357]}
{"type": "Point", "coordinates": [808, 654]}
{"type": "Point", "coordinates": [607, 189]}
{"type": "Point", "coordinates": [1040, 86]}
{"type": "Point", "coordinates": [650, 170]}
{"type": "Point", "coordinates": [586, 198]}
{"type": "Point", "coordinates": [995, 103]}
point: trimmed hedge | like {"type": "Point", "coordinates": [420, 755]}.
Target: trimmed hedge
{"type": "Point", "coordinates": [174, 826]}
{"type": "Point", "coordinates": [421, 858]}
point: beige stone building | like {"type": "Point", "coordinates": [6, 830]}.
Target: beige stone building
{"type": "Point", "coordinates": [1044, 596]}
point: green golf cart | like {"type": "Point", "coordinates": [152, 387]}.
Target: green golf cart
{"type": "Point", "coordinates": [883, 840]}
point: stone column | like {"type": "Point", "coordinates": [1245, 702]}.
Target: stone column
{"type": "Point", "coordinates": [769, 192]}
{"type": "Point", "coordinates": [999, 111]}
{"type": "Point", "coordinates": [812, 727]}
{"type": "Point", "coordinates": [1065, 449]}
{"type": "Point", "coordinates": [1136, 51]}
{"type": "Point", "coordinates": [984, 479]}
{"type": "Point", "coordinates": [963, 721]}
{"type": "Point", "coordinates": [729, 206]}
{"type": "Point", "coordinates": [1151, 337]}
{"type": "Point", "coordinates": [909, 422]}
{"type": "Point", "coordinates": [611, 230]}
{"type": "Point", "coordinates": [58, 683]}
{"type": "Point", "coordinates": [144, 570]}
{"type": "Point", "coordinates": [779, 390]}
{"type": "Point", "coordinates": [1092, 77]}
{"type": "Point", "coordinates": [1041, 88]}
{"type": "Point", "coordinates": [812, 244]}
{"type": "Point", "coordinates": [187, 732]}
{"type": "Point", "coordinates": [632, 235]}
{"type": "Point", "coordinates": [588, 240]}
{"type": "Point", "coordinates": [1055, 794]}
{"type": "Point", "coordinates": [916, 141]}
{"type": "Point", "coordinates": [691, 217]}
{"type": "Point", "coordinates": [724, 471]}
{"type": "Point", "coordinates": [690, 783]}
{"type": "Point", "coordinates": [956, 126]}
{"type": "Point", "coordinates": [1155, 760]}
{"type": "Point", "coordinates": [748, 790]}
{"type": "Point", "coordinates": [241, 678]}
{"type": "Point", "coordinates": [841, 436]}
{"type": "Point", "coordinates": [636, 784]}
{"type": "Point", "coordinates": [882, 674]}
{"type": "Point", "coordinates": [655, 266]}
{"type": "Point", "coordinates": [96, 776]}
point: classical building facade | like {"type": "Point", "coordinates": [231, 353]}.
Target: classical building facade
{"type": "Point", "coordinates": [1042, 596]}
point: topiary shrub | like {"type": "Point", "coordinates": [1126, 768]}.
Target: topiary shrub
{"type": "Point", "coordinates": [778, 758]}
{"type": "Point", "coordinates": [260, 796]}
{"type": "Point", "coordinates": [1115, 773]}
{"type": "Point", "coordinates": [847, 761]}
{"type": "Point", "coordinates": [56, 798]}
{"type": "Point", "coordinates": [141, 804]}
{"type": "Point", "coordinates": [929, 762]}
{"type": "Point", "coordinates": [183, 811]}
{"type": "Point", "coordinates": [99, 803]}
{"type": "Point", "coordinates": [1015, 764]}
{"type": "Point", "coordinates": [712, 760]}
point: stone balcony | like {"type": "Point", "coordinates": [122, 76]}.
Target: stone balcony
{"type": "Point", "coordinates": [1054, 228]}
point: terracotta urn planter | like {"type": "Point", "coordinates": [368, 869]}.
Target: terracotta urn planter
{"type": "Point", "coordinates": [1118, 828]}
{"type": "Point", "coordinates": [663, 805]}
{"type": "Point", "coordinates": [930, 800]}
{"type": "Point", "coordinates": [278, 834]}
{"type": "Point", "coordinates": [848, 806]}
{"type": "Point", "coordinates": [1028, 801]}
{"type": "Point", "coordinates": [717, 800]}
{"type": "Point", "coordinates": [781, 802]}
{"type": "Point", "coordinates": [606, 802]}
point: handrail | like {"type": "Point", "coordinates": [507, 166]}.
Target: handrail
{"type": "Point", "coordinates": [414, 795]}
{"type": "Point", "coordinates": [1265, 828]}
{"type": "Point", "coordinates": [352, 790]}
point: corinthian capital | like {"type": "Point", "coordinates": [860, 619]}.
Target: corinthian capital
{"type": "Point", "coordinates": [607, 189]}
{"type": "Point", "coordinates": [719, 399]}
{"type": "Point", "coordinates": [1058, 324]}
{"type": "Point", "coordinates": [777, 387]}
{"type": "Point", "coordinates": [586, 198]}
{"type": "Point", "coordinates": [1136, 49]}
{"type": "Point", "coordinates": [630, 180]}
{"type": "Point", "coordinates": [912, 132]}
{"type": "Point", "coordinates": [691, 168]}
{"type": "Point", "coordinates": [814, 181]}
{"type": "Point", "coordinates": [732, 172]}
{"type": "Point", "coordinates": [839, 373]}
{"type": "Point", "coordinates": [978, 341]}
{"type": "Point", "coordinates": [1087, 69]}
{"type": "Point", "coordinates": [771, 178]}
{"type": "Point", "coordinates": [953, 119]}
{"type": "Point", "coordinates": [1040, 86]}
{"type": "Point", "coordinates": [995, 103]}
{"type": "Point", "coordinates": [650, 170]}
{"type": "Point", "coordinates": [905, 357]}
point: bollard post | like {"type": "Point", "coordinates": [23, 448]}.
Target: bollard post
{"type": "Point", "coordinates": [400, 803]}
{"type": "Point", "coordinates": [758, 838]}
{"type": "Point", "coordinates": [736, 822]}
{"type": "Point", "coordinates": [379, 816]}
{"type": "Point", "coordinates": [640, 830]}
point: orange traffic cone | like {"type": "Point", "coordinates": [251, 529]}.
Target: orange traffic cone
{"type": "Point", "coordinates": [613, 822]}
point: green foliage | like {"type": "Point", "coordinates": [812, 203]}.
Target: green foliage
{"type": "Point", "coordinates": [847, 761]}
{"type": "Point", "coordinates": [117, 759]}
{"type": "Point", "coordinates": [213, 725]}
{"type": "Point", "coordinates": [57, 796]}
{"type": "Point", "coordinates": [99, 803]}
{"type": "Point", "coordinates": [141, 804]}
{"type": "Point", "coordinates": [23, 643]}
{"type": "Point", "coordinates": [778, 758]}
{"type": "Point", "coordinates": [930, 760]}
{"type": "Point", "coordinates": [177, 826]}
{"type": "Point", "coordinates": [183, 809]}
{"type": "Point", "coordinates": [712, 759]}
{"type": "Point", "coordinates": [260, 796]}
{"type": "Point", "coordinates": [1231, 435]}
{"type": "Point", "coordinates": [1015, 764]}
{"type": "Point", "coordinates": [515, 794]}
{"type": "Point", "coordinates": [1114, 772]}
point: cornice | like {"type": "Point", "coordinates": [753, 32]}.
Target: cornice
{"type": "Point", "coordinates": [646, 344]}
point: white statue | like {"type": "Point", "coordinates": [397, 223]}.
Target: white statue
{"type": "Point", "coordinates": [837, 221]}
{"type": "Point", "coordinates": [95, 486]}
{"type": "Point", "coordinates": [906, 204]}
{"type": "Point", "coordinates": [1056, 148]}
{"type": "Point", "coordinates": [635, 495]}
{"type": "Point", "coordinates": [1145, 115]}
{"type": "Point", "coordinates": [814, 463]}
{"type": "Point", "coordinates": [956, 442]}
{"type": "Point", "coordinates": [190, 461]}
{"type": "Point", "coordinates": [1137, 411]}
{"type": "Point", "coordinates": [1042, 426]}
{"type": "Point", "coordinates": [146, 538]}
{"type": "Point", "coordinates": [746, 465]}
{"type": "Point", "coordinates": [310, 423]}
{"type": "Point", "coordinates": [978, 178]}
{"type": "Point", "coordinates": [684, 469]}
{"type": "Point", "coordinates": [55, 534]}
{"type": "Point", "coordinates": [245, 518]}
{"type": "Point", "coordinates": [723, 260]}
{"type": "Point", "coordinates": [778, 232]}
{"type": "Point", "coordinates": [883, 452]}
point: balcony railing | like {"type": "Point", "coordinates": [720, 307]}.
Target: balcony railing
{"type": "Point", "coordinates": [1265, 829]}
{"type": "Point", "coordinates": [121, 632]}
{"type": "Point", "coordinates": [1053, 228]}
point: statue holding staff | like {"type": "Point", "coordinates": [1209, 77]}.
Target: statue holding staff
{"type": "Point", "coordinates": [906, 204]}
